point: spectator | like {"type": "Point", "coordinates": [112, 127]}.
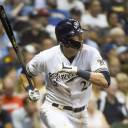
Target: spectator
{"type": "Point", "coordinates": [118, 36]}
{"type": "Point", "coordinates": [11, 101]}
{"type": "Point", "coordinates": [113, 110]}
{"type": "Point", "coordinates": [122, 52]}
{"type": "Point", "coordinates": [56, 14]}
{"type": "Point", "coordinates": [28, 116]}
{"type": "Point", "coordinates": [96, 117]}
{"type": "Point", "coordinates": [46, 43]}
{"type": "Point", "coordinates": [69, 4]}
{"type": "Point", "coordinates": [76, 14]}
{"type": "Point", "coordinates": [113, 20]}
{"type": "Point", "coordinates": [38, 21]}
{"type": "Point", "coordinates": [41, 26]}
{"type": "Point", "coordinates": [94, 18]}
{"type": "Point", "coordinates": [5, 118]}
{"type": "Point", "coordinates": [17, 8]}
{"type": "Point", "coordinates": [109, 51]}
{"type": "Point", "coordinates": [91, 38]}
{"type": "Point", "coordinates": [39, 18]}
{"type": "Point", "coordinates": [122, 79]}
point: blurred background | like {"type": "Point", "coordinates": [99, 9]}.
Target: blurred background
{"type": "Point", "coordinates": [33, 23]}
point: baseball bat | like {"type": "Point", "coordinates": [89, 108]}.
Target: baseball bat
{"type": "Point", "coordinates": [7, 26]}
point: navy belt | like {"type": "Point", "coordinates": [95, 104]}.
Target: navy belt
{"type": "Point", "coordinates": [69, 107]}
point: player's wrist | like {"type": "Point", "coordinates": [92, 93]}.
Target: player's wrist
{"type": "Point", "coordinates": [84, 74]}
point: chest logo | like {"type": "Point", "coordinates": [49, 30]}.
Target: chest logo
{"type": "Point", "coordinates": [62, 76]}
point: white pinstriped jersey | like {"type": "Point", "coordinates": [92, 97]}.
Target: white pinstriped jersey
{"type": "Point", "coordinates": [67, 88]}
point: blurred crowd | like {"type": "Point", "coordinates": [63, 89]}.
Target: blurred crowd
{"type": "Point", "coordinates": [33, 23]}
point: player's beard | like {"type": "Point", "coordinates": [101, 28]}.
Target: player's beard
{"type": "Point", "coordinates": [70, 52]}
{"type": "Point", "coordinates": [76, 41]}
{"type": "Point", "coordinates": [75, 44]}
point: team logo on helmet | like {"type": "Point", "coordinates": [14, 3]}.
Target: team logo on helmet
{"type": "Point", "coordinates": [76, 25]}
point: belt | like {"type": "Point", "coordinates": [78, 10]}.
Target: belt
{"type": "Point", "coordinates": [69, 107]}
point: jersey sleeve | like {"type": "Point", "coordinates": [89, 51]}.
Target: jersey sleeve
{"type": "Point", "coordinates": [36, 65]}
{"type": "Point", "coordinates": [97, 62]}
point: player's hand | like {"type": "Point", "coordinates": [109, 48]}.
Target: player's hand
{"type": "Point", "coordinates": [34, 95]}
{"type": "Point", "coordinates": [67, 68]}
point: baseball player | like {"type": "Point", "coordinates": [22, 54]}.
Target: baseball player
{"type": "Point", "coordinates": [70, 70]}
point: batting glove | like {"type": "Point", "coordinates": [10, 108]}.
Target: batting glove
{"type": "Point", "coordinates": [34, 95]}
{"type": "Point", "coordinates": [70, 69]}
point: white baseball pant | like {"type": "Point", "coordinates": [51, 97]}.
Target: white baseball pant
{"type": "Point", "coordinates": [53, 117]}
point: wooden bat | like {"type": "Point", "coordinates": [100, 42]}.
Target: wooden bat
{"type": "Point", "coordinates": [9, 32]}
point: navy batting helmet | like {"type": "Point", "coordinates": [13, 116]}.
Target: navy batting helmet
{"type": "Point", "coordinates": [66, 29]}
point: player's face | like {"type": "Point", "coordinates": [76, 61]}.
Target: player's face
{"type": "Point", "coordinates": [69, 52]}
{"type": "Point", "coordinates": [77, 41]}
